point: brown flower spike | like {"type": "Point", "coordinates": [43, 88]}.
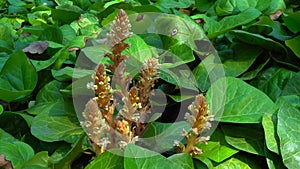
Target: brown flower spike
{"type": "Point", "coordinates": [199, 120]}
{"type": "Point", "coordinates": [108, 126]}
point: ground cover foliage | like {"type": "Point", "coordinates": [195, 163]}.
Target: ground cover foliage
{"type": "Point", "coordinates": [257, 112]}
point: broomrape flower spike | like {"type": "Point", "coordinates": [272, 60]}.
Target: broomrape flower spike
{"type": "Point", "coordinates": [199, 120]}
{"type": "Point", "coordinates": [105, 127]}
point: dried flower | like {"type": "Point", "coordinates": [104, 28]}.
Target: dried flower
{"type": "Point", "coordinates": [199, 120]}
{"type": "Point", "coordinates": [148, 76]}
{"type": "Point", "coordinates": [120, 29]}
{"type": "Point", "coordinates": [95, 125]}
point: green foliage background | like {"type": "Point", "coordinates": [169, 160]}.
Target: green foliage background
{"type": "Point", "coordinates": [258, 42]}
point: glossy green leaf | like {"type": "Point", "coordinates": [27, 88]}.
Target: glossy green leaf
{"type": "Point", "coordinates": [208, 71]}
{"type": "Point", "coordinates": [71, 155]}
{"type": "Point", "coordinates": [18, 78]}
{"type": "Point", "coordinates": [136, 157]}
{"type": "Point", "coordinates": [293, 86]}
{"type": "Point", "coordinates": [161, 136]}
{"type": "Point", "coordinates": [4, 136]}
{"type": "Point", "coordinates": [17, 152]}
{"type": "Point", "coordinates": [66, 13]}
{"type": "Point", "coordinates": [183, 160]}
{"type": "Point", "coordinates": [260, 5]}
{"type": "Point", "coordinates": [56, 124]}
{"type": "Point", "coordinates": [294, 45]}
{"type": "Point", "coordinates": [274, 6]}
{"type": "Point", "coordinates": [269, 125]}
{"type": "Point", "coordinates": [289, 133]}
{"type": "Point", "coordinates": [259, 40]}
{"type": "Point", "coordinates": [176, 4]}
{"type": "Point", "coordinates": [249, 138]}
{"type": "Point", "coordinates": [111, 159]}
{"type": "Point", "coordinates": [216, 151]}
{"type": "Point", "coordinates": [292, 21]}
{"type": "Point", "coordinates": [274, 161]}
{"type": "Point", "coordinates": [243, 58]}
{"type": "Point", "coordinates": [138, 48]}
{"type": "Point", "coordinates": [61, 55]}
{"type": "Point", "coordinates": [239, 102]}
{"type": "Point", "coordinates": [1, 109]}
{"type": "Point", "coordinates": [233, 163]}
{"type": "Point", "coordinates": [39, 160]}
{"type": "Point", "coordinates": [272, 81]}
{"type": "Point", "coordinates": [230, 22]}
{"type": "Point", "coordinates": [253, 71]}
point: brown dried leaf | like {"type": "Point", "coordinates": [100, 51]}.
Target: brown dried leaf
{"type": "Point", "coordinates": [5, 164]}
{"type": "Point", "coordinates": [36, 47]}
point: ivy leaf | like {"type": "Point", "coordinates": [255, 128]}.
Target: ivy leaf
{"type": "Point", "coordinates": [161, 136]}
{"type": "Point", "coordinates": [183, 160]}
{"type": "Point", "coordinates": [233, 163]}
{"type": "Point", "coordinates": [272, 81]}
{"type": "Point", "coordinates": [18, 78]}
{"type": "Point", "coordinates": [271, 137]}
{"type": "Point", "coordinates": [111, 159]}
{"type": "Point", "coordinates": [230, 22]}
{"type": "Point", "coordinates": [289, 133]}
{"type": "Point", "coordinates": [249, 138]}
{"type": "Point", "coordinates": [137, 157]}
{"type": "Point", "coordinates": [293, 45]}
{"type": "Point", "coordinates": [232, 100]}
{"type": "Point", "coordinates": [57, 123]}
{"type": "Point", "coordinates": [217, 152]}
{"type": "Point", "coordinates": [293, 86]}
{"type": "Point", "coordinates": [17, 152]}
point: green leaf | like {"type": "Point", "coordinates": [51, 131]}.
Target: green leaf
{"type": "Point", "coordinates": [292, 21]}
{"type": "Point", "coordinates": [208, 71]}
{"type": "Point", "coordinates": [243, 58]}
{"type": "Point", "coordinates": [161, 136]}
{"type": "Point", "coordinates": [216, 151]}
{"type": "Point", "coordinates": [95, 53]}
{"type": "Point", "coordinates": [233, 163]}
{"type": "Point", "coordinates": [249, 138]}
{"type": "Point", "coordinates": [258, 40]}
{"type": "Point", "coordinates": [232, 100]}
{"type": "Point", "coordinates": [18, 78]}
{"type": "Point", "coordinates": [183, 160]}
{"type": "Point", "coordinates": [4, 136]}
{"type": "Point", "coordinates": [269, 125]}
{"type": "Point", "coordinates": [73, 154]}
{"type": "Point", "coordinates": [289, 133]}
{"type": "Point", "coordinates": [253, 71]}
{"type": "Point", "coordinates": [17, 152]}
{"type": "Point", "coordinates": [1, 109]}
{"type": "Point", "coordinates": [39, 160]}
{"type": "Point", "coordinates": [137, 157]}
{"type": "Point", "coordinates": [293, 44]}
{"type": "Point", "coordinates": [65, 14]}
{"type": "Point", "coordinates": [52, 33]}
{"type": "Point", "coordinates": [274, 6]}
{"type": "Point", "coordinates": [274, 161]}
{"type": "Point", "coordinates": [60, 56]}
{"type": "Point", "coordinates": [230, 22]}
{"type": "Point", "coordinates": [138, 48]}
{"type": "Point", "coordinates": [273, 80]}
{"type": "Point", "coordinates": [68, 73]}
{"type": "Point", "coordinates": [56, 124]}
{"type": "Point", "coordinates": [50, 92]}
{"type": "Point", "coordinates": [176, 4]}
{"type": "Point", "coordinates": [293, 86]}
{"type": "Point", "coordinates": [109, 159]}
{"type": "Point", "coordinates": [245, 4]}
{"type": "Point", "coordinates": [182, 77]}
